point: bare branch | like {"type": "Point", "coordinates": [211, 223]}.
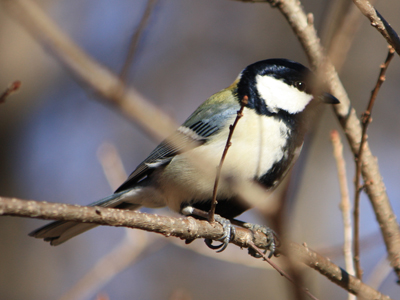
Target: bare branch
{"type": "Point", "coordinates": [136, 38]}
{"type": "Point", "coordinates": [87, 70]}
{"type": "Point", "coordinates": [122, 256]}
{"type": "Point", "coordinates": [303, 27]}
{"type": "Point", "coordinates": [106, 84]}
{"type": "Point", "coordinates": [10, 90]}
{"type": "Point", "coordinates": [280, 271]}
{"type": "Point", "coordinates": [379, 23]}
{"type": "Point", "coordinates": [334, 273]}
{"type": "Point", "coordinates": [132, 104]}
{"type": "Point", "coordinates": [366, 119]}
{"type": "Point", "coordinates": [184, 228]}
{"type": "Point", "coordinates": [344, 36]}
{"type": "Point", "coordinates": [103, 216]}
{"type": "Point", "coordinates": [345, 205]}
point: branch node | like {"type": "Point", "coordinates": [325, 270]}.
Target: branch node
{"type": "Point", "coordinates": [310, 19]}
{"type": "Point", "coordinates": [192, 226]}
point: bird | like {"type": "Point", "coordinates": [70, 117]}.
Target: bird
{"type": "Point", "coordinates": [281, 96]}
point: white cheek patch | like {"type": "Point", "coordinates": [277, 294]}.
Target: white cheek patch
{"type": "Point", "coordinates": [279, 95]}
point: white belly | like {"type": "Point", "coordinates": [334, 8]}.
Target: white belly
{"type": "Point", "coordinates": [257, 143]}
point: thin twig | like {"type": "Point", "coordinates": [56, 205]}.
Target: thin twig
{"type": "Point", "coordinates": [280, 271]}
{"type": "Point", "coordinates": [366, 119]}
{"type": "Point", "coordinates": [379, 23]}
{"type": "Point", "coordinates": [136, 38]}
{"type": "Point", "coordinates": [232, 127]}
{"type": "Point", "coordinates": [345, 206]}
{"type": "Point", "coordinates": [232, 255]}
{"type": "Point", "coordinates": [10, 90]}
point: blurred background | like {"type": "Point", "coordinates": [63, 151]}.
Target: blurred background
{"type": "Point", "coordinates": [51, 132]}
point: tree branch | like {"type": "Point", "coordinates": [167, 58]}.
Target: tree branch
{"type": "Point", "coordinates": [302, 25]}
{"type": "Point", "coordinates": [366, 119]}
{"type": "Point", "coordinates": [85, 69]}
{"type": "Point", "coordinates": [184, 228]}
{"type": "Point", "coordinates": [345, 205]}
{"type": "Point", "coordinates": [345, 33]}
{"type": "Point", "coordinates": [283, 273]}
{"type": "Point", "coordinates": [334, 273]}
{"type": "Point", "coordinates": [379, 23]}
{"type": "Point", "coordinates": [136, 39]}
{"type": "Point", "coordinates": [158, 125]}
{"type": "Point", "coordinates": [130, 103]}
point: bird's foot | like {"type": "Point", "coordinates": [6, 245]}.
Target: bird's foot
{"type": "Point", "coordinates": [229, 233]}
{"type": "Point", "coordinates": [272, 239]}
{"type": "Point", "coordinates": [229, 229]}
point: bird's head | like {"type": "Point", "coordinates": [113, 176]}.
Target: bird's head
{"type": "Point", "coordinates": [279, 85]}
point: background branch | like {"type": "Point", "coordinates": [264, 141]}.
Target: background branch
{"type": "Point", "coordinates": [126, 253]}
{"type": "Point", "coordinates": [366, 119]}
{"type": "Point", "coordinates": [85, 69]}
{"type": "Point", "coordinates": [303, 27]}
{"type": "Point", "coordinates": [346, 116]}
{"type": "Point", "coordinates": [335, 273]}
{"type": "Point", "coordinates": [379, 23]}
{"type": "Point", "coordinates": [136, 39]}
{"type": "Point", "coordinates": [10, 90]}
{"type": "Point", "coordinates": [151, 119]}
{"type": "Point", "coordinates": [345, 205]}
{"type": "Point", "coordinates": [346, 29]}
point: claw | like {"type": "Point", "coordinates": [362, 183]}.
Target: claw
{"type": "Point", "coordinates": [229, 233]}
{"type": "Point", "coordinates": [271, 238]}
{"type": "Point", "coordinates": [229, 229]}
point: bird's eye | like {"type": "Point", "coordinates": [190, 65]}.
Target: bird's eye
{"type": "Point", "coordinates": [300, 85]}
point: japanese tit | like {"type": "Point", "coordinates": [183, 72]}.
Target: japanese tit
{"type": "Point", "coordinates": [265, 143]}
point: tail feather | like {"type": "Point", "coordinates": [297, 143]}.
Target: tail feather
{"type": "Point", "coordinates": [59, 232]}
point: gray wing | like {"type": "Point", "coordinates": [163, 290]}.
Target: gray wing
{"type": "Point", "coordinates": [205, 122]}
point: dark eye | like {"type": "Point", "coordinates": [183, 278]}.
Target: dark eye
{"type": "Point", "coordinates": [300, 85]}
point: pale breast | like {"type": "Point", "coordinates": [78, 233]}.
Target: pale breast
{"type": "Point", "coordinates": [257, 143]}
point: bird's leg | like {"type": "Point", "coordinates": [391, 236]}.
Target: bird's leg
{"type": "Point", "coordinates": [271, 235]}
{"type": "Point", "coordinates": [229, 229]}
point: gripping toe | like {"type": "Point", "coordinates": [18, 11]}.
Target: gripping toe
{"type": "Point", "coordinates": [272, 238]}
{"type": "Point", "coordinates": [229, 233]}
